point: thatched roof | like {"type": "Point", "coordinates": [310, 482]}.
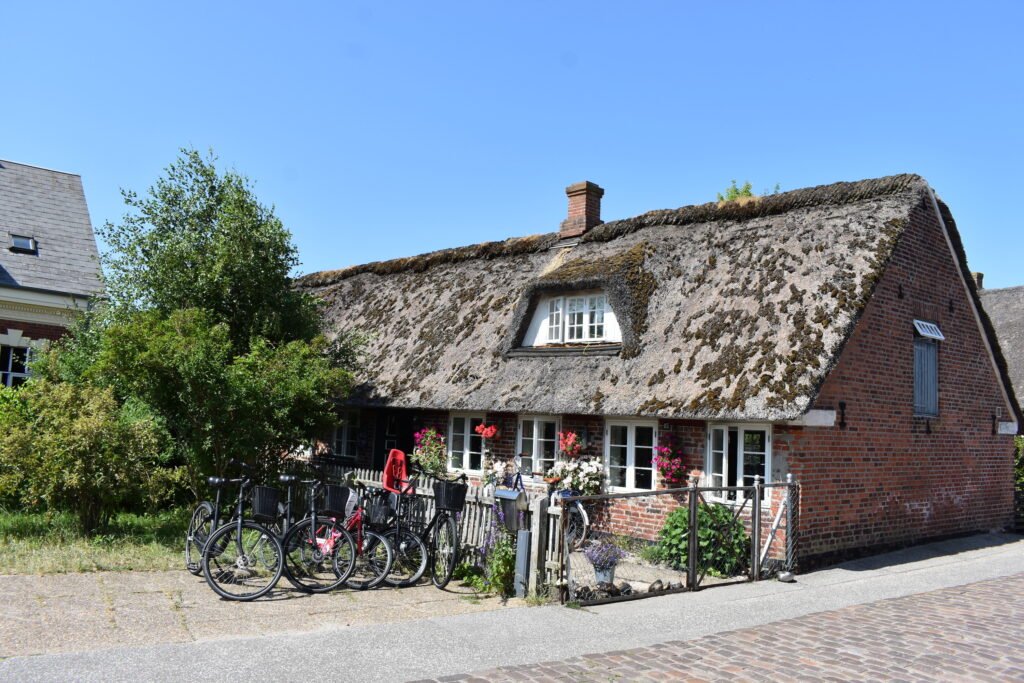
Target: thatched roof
{"type": "Point", "coordinates": [729, 311]}
{"type": "Point", "coordinates": [1005, 308]}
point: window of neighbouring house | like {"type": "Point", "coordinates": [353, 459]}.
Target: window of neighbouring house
{"type": "Point", "coordinates": [24, 244]}
{"type": "Point", "coordinates": [736, 454]}
{"type": "Point", "coordinates": [538, 443]}
{"type": "Point", "coordinates": [14, 362]}
{"type": "Point", "coordinates": [465, 446]}
{"type": "Point", "coordinates": [346, 435]}
{"type": "Point", "coordinates": [578, 318]}
{"type": "Point", "coordinates": [629, 454]}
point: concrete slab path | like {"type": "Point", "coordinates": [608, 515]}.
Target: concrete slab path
{"type": "Point", "coordinates": [450, 645]}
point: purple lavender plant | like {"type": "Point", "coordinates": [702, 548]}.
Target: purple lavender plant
{"type": "Point", "coordinates": [603, 554]}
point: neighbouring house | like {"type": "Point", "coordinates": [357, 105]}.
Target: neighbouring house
{"type": "Point", "coordinates": [832, 333]}
{"type": "Point", "coordinates": [49, 266]}
{"type": "Point", "coordinates": [1005, 308]}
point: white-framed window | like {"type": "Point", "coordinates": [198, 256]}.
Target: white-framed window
{"type": "Point", "coordinates": [926, 368]}
{"type": "Point", "coordinates": [346, 435]}
{"type": "Point", "coordinates": [577, 318]}
{"type": "Point", "coordinates": [629, 453]}
{"type": "Point", "coordinates": [735, 455]}
{"type": "Point", "coordinates": [554, 321]}
{"type": "Point", "coordinates": [584, 318]}
{"type": "Point", "coordinates": [14, 362]}
{"type": "Point", "coordinates": [465, 446]}
{"type": "Point", "coordinates": [538, 442]}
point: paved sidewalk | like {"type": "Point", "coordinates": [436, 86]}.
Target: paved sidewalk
{"type": "Point", "coordinates": [450, 645]}
{"type": "Point", "coordinates": [967, 633]}
{"type": "Point", "coordinates": [101, 610]}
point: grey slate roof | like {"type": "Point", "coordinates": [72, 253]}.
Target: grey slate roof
{"type": "Point", "coordinates": [1005, 308]}
{"type": "Point", "coordinates": [49, 206]}
{"type": "Point", "coordinates": [731, 311]}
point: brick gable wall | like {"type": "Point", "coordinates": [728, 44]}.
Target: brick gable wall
{"type": "Point", "coordinates": [890, 477]}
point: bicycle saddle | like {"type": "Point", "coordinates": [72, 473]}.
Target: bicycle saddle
{"type": "Point", "coordinates": [288, 478]}
{"type": "Point", "coordinates": [215, 482]}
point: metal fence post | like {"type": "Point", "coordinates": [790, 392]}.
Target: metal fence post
{"type": "Point", "coordinates": [792, 501]}
{"type": "Point", "coordinates": [755, 530]}
{"type": "Point", "coordinates": [566, 592]}
{"type": "Point", "coordinates": [692, 545]}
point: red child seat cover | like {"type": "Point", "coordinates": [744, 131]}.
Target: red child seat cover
{"type": "Point", "coordinates": [396, 473]}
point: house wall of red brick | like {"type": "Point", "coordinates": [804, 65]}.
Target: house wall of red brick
{"type": "Point", "coordinates": [32, 330]}
{"type": "Point", "coordinates": [889, 477]}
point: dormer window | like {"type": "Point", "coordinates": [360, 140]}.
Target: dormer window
{"type": "Point", "coordinates": [573, 319]}
{"type": "Point", "coordinates": [24, 245]}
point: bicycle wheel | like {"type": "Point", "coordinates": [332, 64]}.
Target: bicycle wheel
{"type": "Point", "coordinates": [318, 557]}
{"type": "Point", "coordinates": [372, 562]}
{"type": "Point", "coordinates": [242, 563]}
{"type": "Point", "coordinates": [576, 527]}
{"type": "Point", "coordinates": [444, 550]}
{"type": "Point", "coordinates": [199, 528]}
{"type": "Point", "coordinates": [410, 558]}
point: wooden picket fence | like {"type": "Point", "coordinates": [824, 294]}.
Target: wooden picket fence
{"type": "Point", "coordinates": [475, 521]}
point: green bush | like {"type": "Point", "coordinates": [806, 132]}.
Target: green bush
{"type": "Point", "coordinates": [74, 448]}
{"type": "Point", "coordinates": [723, 541]}
{"type": "Point", "coordinates": [1018, 462]}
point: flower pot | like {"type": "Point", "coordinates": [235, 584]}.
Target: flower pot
{"type": "Point", "coordinates": [605, 574]}
{"type": "Point", "coordinates": [552, 480]}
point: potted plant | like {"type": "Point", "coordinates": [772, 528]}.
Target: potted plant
{"type": "Point", "coordinates": [604, 555]}
{"type": "Point", "coordinates": [431, 455]}
{"type": "Point", "coordinates": [581, 476]}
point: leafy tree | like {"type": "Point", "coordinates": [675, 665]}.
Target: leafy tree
{"type": "Point", "coordinates": [200, 239]}
{"type": "Point", "coordinates": [217, 406]}
{"type": "Point", "coordinates": [204, 327]}
{"type": "Point", "coordinates": [75, 447]}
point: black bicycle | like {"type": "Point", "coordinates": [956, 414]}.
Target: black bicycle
{"type": "Point", "coordinates": [244, 559]}
{"type": "Point", "coordinates": [436, 545]}
{"type": "Point", "coordinates": [319, 552]}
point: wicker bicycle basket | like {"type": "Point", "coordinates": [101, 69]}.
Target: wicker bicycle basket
{"type": "Point", "coordinates": [450, 495]}
{"type": "Point", "coordinates": [264, 503]}
{"type": "Point", "coordinates": [336, 500]}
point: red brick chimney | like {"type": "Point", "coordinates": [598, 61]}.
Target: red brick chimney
{"type": "Point", "coordinates": [584, 209]}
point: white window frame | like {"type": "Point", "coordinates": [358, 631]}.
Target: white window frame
{"type": "Point", "coordinates": [722, 479]}
{"type": "Point", "coordinates": [562, 311]}
{"type": "Point", "coordinates": [469, 434]}
{"type": "Point", "coordinates": [7, 374]}
{"type": "Point", "coordinates": [347, 434]}
{"type": "Point", "coordinates": [532, 449]}
{"type": "Point", "coordinates": [631, 426]}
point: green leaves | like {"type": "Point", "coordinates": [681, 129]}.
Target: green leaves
{"type": "Point", "coordinates": [201, 239]}
{"type": "Point", "coordinates": [68, 446]}
{"type": "Point", "coordinates": [723, 543]}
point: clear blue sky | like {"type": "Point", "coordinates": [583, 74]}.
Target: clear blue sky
{"type": "Point", "coordinates": [386, 129]}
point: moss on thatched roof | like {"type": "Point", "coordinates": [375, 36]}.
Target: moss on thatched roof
{"type": "Point", "coordinates": [728, 310]}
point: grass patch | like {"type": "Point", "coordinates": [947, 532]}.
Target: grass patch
{"type": "Point", "coordinates": [43, 543]}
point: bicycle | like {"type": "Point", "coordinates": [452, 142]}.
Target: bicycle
{"type": "Point", "coordinates": [578, 521]}
{"type": "Point", "coordinates": [374, 555]}
{"type": "Point", "coordinates": [319, 552]}
{"type": "Point", "coordinates": [243, 559]}
{"type": "Point", "coordinates": [437, 545]}
{"type": "Point", "coordinates": [205, 518]}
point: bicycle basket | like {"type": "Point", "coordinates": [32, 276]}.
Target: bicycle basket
{"type": "Point", "coordinates": [264, 503]}
{"type": "Point", "coordinates": [336, 501]}
{"type": "Point", "coordinates": [377, 510]}
{"type": "Point", "coordinates": [450, 495]}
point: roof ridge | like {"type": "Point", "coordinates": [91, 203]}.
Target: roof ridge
{"type": "Point", "coordinates": [41, 168]}
{"type": "Point", "coordinates": [837, 194]}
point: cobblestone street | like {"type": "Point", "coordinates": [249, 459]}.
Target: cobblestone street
{"type": "Point", "coordinates": [966, 633]}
